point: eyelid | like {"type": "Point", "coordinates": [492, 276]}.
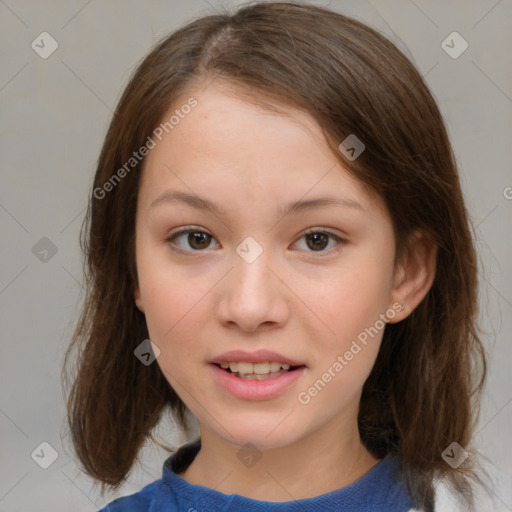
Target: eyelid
{"type": "Point", "coordinates": [189, 229]}
{"type": "Point", "coordinates": [320, 229]}
{"type": "Point", "coordinates": [184, 229]}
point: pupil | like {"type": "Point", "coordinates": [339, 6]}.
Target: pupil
{"type": "Point", "coordinates": [194, 237]}
{"type": "Point", "coordinates": [318, 237]}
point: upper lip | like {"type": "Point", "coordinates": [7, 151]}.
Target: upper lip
{"type": "Point", "coordinates": [258, 356]}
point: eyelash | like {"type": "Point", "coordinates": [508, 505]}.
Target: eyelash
{"type": "Point", "coordinates": [192, 229]}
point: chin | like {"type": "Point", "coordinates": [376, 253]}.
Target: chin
{"type": "Point", "coordinates": [264, 436]}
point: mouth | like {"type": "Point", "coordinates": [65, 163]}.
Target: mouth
{"type": "Point", "coordinates": [256, 381]}
{"type": "Point", "coordinates": [256, 371]}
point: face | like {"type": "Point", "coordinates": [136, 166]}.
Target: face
{"type": "Point", "coordinates": [246, 274]}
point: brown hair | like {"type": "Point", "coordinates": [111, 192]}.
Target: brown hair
{"type": "Point", "coordinates": [424, 390]}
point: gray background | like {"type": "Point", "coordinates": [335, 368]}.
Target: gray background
{"type": "Point", "coordinates": [54, 115]}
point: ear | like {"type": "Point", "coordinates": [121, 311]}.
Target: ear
{"type": "Point", "coordinates": [414, 275]}
{"type": "Point", "coordinates": [138, 298]}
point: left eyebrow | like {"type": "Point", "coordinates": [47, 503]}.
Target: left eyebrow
{"type": "Point", "coordinates": [300, 206]}
{"type": "Point", "coordinates": [200, 203]}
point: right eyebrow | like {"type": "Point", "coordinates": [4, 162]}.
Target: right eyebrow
{"type": "Point", "coordinates": [169, 197]}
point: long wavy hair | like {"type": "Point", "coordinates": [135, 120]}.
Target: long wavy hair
{"type": "Point", "coordinates": [424, 390]}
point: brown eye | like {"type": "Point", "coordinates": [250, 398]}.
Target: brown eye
{"type": "Point", "coordinates": [194, 239]}
{"type": "Point", "coordinates": [317, 240]}
{"type": "Point", "coordinates": [198, 240]}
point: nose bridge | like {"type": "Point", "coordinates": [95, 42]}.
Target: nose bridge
{"type": "Point", "coordinates": [253, 294]}
{"type": "Point", "coordinates": [252, 278]}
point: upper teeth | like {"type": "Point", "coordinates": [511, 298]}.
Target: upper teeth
{"type": "Point", "coordinates": [257, 368]}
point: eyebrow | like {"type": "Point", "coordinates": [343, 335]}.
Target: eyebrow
{"type": "Point", "coordinates": [193, 200]}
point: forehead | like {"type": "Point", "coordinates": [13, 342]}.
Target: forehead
{"type": "Point", "coordinates": [226, 124]}
{"type": "Point", "coordinates": [252, 153]}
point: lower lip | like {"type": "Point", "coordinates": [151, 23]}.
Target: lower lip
{"type": "Point", "coordinates": [252, 389]}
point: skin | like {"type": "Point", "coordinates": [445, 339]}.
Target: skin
{"type": "Point", "coordinates": [305, 304]}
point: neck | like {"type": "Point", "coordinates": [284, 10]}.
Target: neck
{"type": "Point", "coordinates": [317, 464]}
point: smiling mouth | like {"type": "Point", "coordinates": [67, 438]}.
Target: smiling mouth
{"type": "Point", "coordinates": [255, 372]}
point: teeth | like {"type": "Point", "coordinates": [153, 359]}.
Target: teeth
{"type": "Point", "coordinates": [245, 368]}
{"type": "Point", "coordinates": [254, 376]}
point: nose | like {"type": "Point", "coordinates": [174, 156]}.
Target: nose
{"type": "Point", "coordinates": [253, 296]}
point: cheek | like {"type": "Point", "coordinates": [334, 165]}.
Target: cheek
{"type": "Point", "coordinates": [345, 353]}
{"type": "Point", "coordinates": [172, 300]}
{"type": "Point", "coordinates": [350, 304]}
{"type": "Point", "coordinates": [350, 301]}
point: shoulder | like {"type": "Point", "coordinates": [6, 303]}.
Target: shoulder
{"type": "Point", "coordinates": [159, 495]}
{"type": "Point", "coordinates": [148, 499]}
{"type": "Point", "coordinates": [384, 487]}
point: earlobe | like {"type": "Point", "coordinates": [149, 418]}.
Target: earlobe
{"type": "Point", "coordinates": [138, 299]}
{"type": "Point", "coordinates": [414, 275]}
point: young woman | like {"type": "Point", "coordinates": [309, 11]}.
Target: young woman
{"type": "Point", "coordinates": [277, 208]}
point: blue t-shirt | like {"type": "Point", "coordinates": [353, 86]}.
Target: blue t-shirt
{"type": "Point", "coordinates": [379, 490]}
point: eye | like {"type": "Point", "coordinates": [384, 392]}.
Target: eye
{"type": "Point", "coordinates": [195, 239]}
{"type": "Point", "coordinates": [317, 240]}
